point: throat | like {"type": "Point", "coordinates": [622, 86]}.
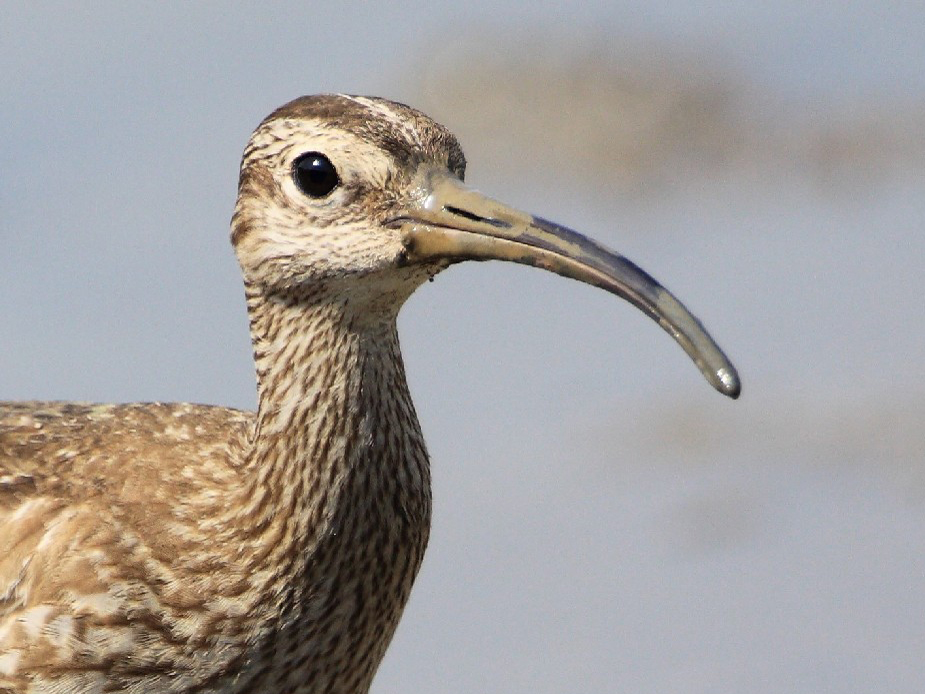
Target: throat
{"type": "Point", "coordinates": [336, 500]}
{"type": "Point", "coordinates": [336, 432]}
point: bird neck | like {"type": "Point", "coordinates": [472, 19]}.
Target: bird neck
{"type": "Point", "coordinates": [336, 444]}
{"type": "Point", "coordinates": [330, 508]}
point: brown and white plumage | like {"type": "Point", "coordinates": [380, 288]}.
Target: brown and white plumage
{"type": "Point", "coordinates": [186, 548]}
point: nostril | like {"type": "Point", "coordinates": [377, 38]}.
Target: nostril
{"type": "Point", "coordinates": [476, 218]}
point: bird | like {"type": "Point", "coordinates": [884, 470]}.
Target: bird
{"type": "Point", "coordinates": [168, 548]}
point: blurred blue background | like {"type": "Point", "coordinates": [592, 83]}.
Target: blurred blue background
{"type": "Point", "coordinates": [604, 521]}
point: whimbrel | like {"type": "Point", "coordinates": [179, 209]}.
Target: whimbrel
{"type": "Point", "coordinates": [186, 548]}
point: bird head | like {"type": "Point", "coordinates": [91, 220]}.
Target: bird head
{"type": "Point", "coordinates": [365, 196]}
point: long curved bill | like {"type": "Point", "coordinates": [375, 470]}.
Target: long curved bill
{"type": "Point", "coordinates": [452, 222]}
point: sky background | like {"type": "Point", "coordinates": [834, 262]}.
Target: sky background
{"type": "Point", "coordinates": [604, 521]}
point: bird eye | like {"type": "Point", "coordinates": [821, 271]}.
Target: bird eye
{"type": "Point", "coordinates": [314, 174]}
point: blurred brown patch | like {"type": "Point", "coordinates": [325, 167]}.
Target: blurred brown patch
{"type": "Point", "coordinates": [883, 437]}
{"type": "Point", "coordinates": [633, 116]}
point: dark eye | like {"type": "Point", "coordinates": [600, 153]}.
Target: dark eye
{"type": "Point", "coordinates": [315, 174]}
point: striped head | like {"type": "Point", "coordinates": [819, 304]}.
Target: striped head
{"type": "Point", "coordinates": [364, 197]}
{"type": "Point", "coordinates": [323, 179]}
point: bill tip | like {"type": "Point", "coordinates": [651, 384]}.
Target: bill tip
{"type": "Point", "coordinates": [728, 382]}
